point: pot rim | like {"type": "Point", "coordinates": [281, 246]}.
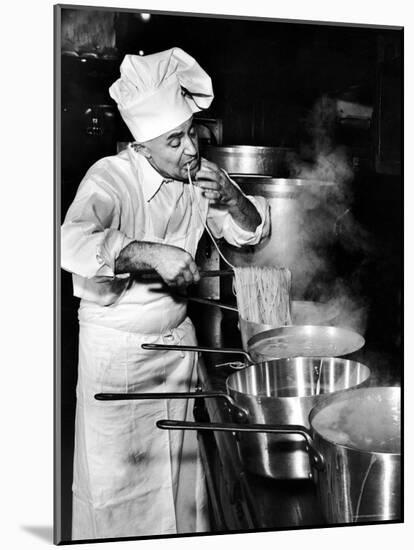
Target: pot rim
{"type": "Point", "coordinates": [350, 448]}
{"type": "Point", "coordinates": [320, 406]}
{"type": "Point", "coordinates": [284, 183]}
{"type": "Point", "coordinates": [301, 397]}
{"type": "Point", "coordinates": [252, 148]}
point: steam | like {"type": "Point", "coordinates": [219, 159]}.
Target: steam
{"type": "Point", "coordinates": [329, 166]}
{"type": "Point", "coordinates": [385, 370]}
{"type": "Point", "coordinates": [326, 203]}
{"type": "Point", "coordinates": [349, 308]}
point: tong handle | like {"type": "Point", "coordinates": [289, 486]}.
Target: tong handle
{"type": "Point", "coordinates": [197, 348]}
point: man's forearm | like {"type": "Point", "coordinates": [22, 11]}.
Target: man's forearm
{"type": "Point", "coordinates": [175, 265]}
{"type": "Point", "coordinates": [245, 214]}
{"type": "Point", "coordinates": [136, 256]}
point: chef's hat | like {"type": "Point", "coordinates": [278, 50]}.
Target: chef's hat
{"type": "Point", "coordinates": [158, 92]}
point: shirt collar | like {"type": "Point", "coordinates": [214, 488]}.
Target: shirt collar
{"type": "Point", "coordinates": [152, 181]}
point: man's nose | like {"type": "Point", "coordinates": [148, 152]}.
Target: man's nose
{"type": "Point", "coordinates": [190, 147]}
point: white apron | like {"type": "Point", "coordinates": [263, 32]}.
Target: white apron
{"type": "Point", "coordinates": [131, 478]}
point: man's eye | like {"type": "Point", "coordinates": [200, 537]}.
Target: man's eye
{"type": "Point", "coordinates": [175, 144]}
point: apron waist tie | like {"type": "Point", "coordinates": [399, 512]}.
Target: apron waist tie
{"type": "Point", "coordinates": [173, 337]}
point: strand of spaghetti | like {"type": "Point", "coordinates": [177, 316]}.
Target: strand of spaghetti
{"type": "Point", "coordinates": [202, 219]}
{"type": "Point", "coordinates": [263, 294]}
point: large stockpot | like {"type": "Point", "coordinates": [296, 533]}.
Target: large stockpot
{"type": "Point", "coordinates": [364, 445]}
{"type": "Point", "coordinates": [354, 449]}
{"type": "Point", "coordinates": [250, 160]}
{"type": "Point", "coordinates": [281, 391]}
{"type": "Point", "coordinates": [303, 216]}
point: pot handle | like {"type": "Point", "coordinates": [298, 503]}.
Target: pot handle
{"type": "Point", "coordinates": [316, 458]}
{"type": "Point", "coordinates": [235, 365]}
{"type": "Point", "coordinates": [237, 412]}
{"type": "Point", "coordinates": [211, 303]}
{"type": "Point", "coordinates": [152, 276]}
{"type": "Point", "coordinates": [197, 348]}
{"type": "Point", "coordinates": [163, 395]}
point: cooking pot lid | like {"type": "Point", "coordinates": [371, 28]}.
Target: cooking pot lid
{"type": "Point", "coordinates": [304, 341]}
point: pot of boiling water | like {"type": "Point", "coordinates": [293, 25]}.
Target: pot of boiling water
{"type": "Point", "coordinates": [358, 436]}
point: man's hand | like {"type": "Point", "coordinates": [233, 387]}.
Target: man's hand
{"type": "Point", "coordinates": [219, 189]}
{"type": "Point", "coordinates": [176, 266]}
{"type": "Point", "coordinates": [216, 185]}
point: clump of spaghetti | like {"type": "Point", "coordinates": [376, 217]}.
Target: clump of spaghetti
{"type": "Point", "coordinates": [263, 294]}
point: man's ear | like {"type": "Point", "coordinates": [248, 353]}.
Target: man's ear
{"type": "Point", "coordinates": [141, 148]}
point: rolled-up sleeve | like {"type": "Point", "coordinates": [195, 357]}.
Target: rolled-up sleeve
{"type": "Point", "coordinates": [90, 238]}
{"type": "Point", "coordinates": [224, 226]}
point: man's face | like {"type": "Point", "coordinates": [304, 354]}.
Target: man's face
{"type": "Point", "coordinates": [171, 152]}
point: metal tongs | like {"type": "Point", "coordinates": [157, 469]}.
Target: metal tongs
{"type": "Point", "coordinates": [151, 276]}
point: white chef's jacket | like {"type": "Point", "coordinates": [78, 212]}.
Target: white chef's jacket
{"type": "Point", "coordinates": [131, 479]}
{"type": "Point", "coordinates": [121, 199]}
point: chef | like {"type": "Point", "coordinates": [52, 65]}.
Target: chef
{"type": "Point", "coordinates": [145, 209]}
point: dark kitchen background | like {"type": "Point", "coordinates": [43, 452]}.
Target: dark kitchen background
{"type": "Point", "coordinates": [268, 77]}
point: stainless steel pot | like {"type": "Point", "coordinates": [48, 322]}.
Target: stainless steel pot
{"type": "Point", "coordinates": [302, 313]}
{"type": "Point", "coordinates": [292, 341]}
{"type": "Point", "coordinates": [304, 340]}
{"type": "Point", "coordinates": [250, 159]}
{"type": "Point", "coordinates": [280, 391]}
{"type": "Point", "coordinates": [303, 215]}
{"type": "Point", "coordinates": [284, 391]}
{"type": "Point", "coordinates": [354, 449]}
{"type": "Point", "coordinates": [359, 435]}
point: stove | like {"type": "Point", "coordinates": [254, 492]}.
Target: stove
{"type": "Point", "coordinates": [239, 500]}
